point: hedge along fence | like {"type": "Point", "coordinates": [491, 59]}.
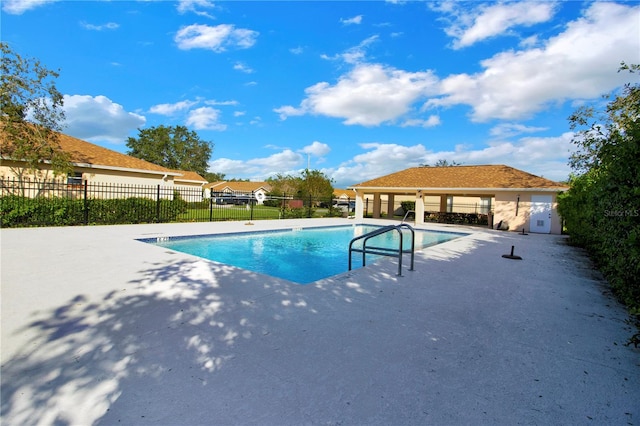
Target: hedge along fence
{"type": "Point", "coordinates": [604, 217]}
{"type": "Point", "coordinates": [55, 203]}
{"type": "Point", "coordinates": [58, 211]}
{"type": "Point", "coordinates": [60, 204]}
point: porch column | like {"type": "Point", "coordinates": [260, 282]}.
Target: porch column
{"type": "Point", "coordinates": [419, 208]}
{"type": "Point", "coordinates": [390, 203]}
{"type": "Point", "coordinates": [359, 213]}
{"type": "Point", "coordinates": [376, 205]}
{"type": "Point", "coordinates": [443, 203]}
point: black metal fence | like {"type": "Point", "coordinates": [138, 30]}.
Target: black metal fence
{"type": "Point", "coordinates": [54, 203]}
{"type": "Point", "coordinates": [58, 203]}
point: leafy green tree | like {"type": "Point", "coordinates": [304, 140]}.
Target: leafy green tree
{"type": "Point", "coordinates": [602, 208]}
{"type": "Point", "coordinates": [214, 177]}
{"type": "Point", "coordinates": [31, 115]}
{"type": "Point", "coordinates": [316, 185]}
{"type": "Point", "coordinates": [311, 183]}
{"type": "Point", "coordinates": [285, 185]}
{"type": "Point", "coordinates": [172, 147]}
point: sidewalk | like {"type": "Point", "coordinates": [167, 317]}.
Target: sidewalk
{"type": "Point", "coordinates": [98, 328]}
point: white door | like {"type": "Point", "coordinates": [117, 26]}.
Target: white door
{"type": "Point", "coordinates": [540, 218]}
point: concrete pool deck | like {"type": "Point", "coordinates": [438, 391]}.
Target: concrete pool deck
{"type": "Point", "coordinates": [98, 328]}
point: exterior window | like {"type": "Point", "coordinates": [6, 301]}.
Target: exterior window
{"type": "Point", "coordinates": [449, 203]}
{"type": "Point", "coordinates": [74, 178]}
{"type": "Point", "coordinates": [485, 205]}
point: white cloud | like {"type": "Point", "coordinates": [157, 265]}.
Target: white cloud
{"type": "Point", "coordinates": [369, 95]}
{"type": "Point", "coordinates": [432, 121]}
{"type": "Point", "coordinates": [202, 118]}
{"type": "Point", "coordinates": [205, 118]}
{"type": "Point", "coordinates": [508, 130]}
{"type": "Point", "coordinates": [169, 109]}
{"type": "Point", "coordinates": [259, 168]}
{"type": "Point", "coordinates": [99, 119]}
{"type": "Point", "coordinates": [222, 103]}
{"type": "Point", "coordinates": [356, 20]}
{"type": "Point", "coordinates": [216, 38]}
{"type": "Point", "coordinates": [578, 63]}
{"type": "Point", "coordinates": [288, 111]}
{"type": "Point", "coordinates": [495, 19]}
{"type": "Point", "coordinates": [18, 7]}
{"type": "Point", "coordinates": [195, 6]}
{"type": "Point", "coordinates": [317, 149]}
{"type": "Point", "coordinates": [379, 160]}
{"type": "Point", "coordinates": [239, 66]}
{"type": "Point", "coordinates": [356, 54]}
{"type": "Point", "coordinates": [297, 50]}
{"type": "Point", "coordinates": [92, 27]}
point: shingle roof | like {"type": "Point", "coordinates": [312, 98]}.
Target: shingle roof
{"type": "Point", "coordinates": [189, 176]}
{"type": "Point", "coordinates": [242, 186]}
{"type": "Point", "coordinates": [85, 152]}
{"type": "Point", "coordinates": [463, 177]}
{"type": "Point", "coordinates": [344, 192]}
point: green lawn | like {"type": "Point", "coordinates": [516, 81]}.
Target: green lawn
{"type": "Point", "coordinates": [233, 212]}
{"type": "Point", "coordinates": [229, 212]}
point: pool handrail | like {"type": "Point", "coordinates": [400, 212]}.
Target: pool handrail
{"type": "Point", "coordinates": [384, 251]}
{"type": "Point", "coordinates": [407, 214]}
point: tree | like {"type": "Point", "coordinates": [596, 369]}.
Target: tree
{"type": "Point", "coordinates": [442, 163]}
{"type": "Point", "coordinates": [602, 208]}
{"type": "Point", "coordinates": [285, 185]}
{"type": "Point", "coordinates": [31, 117]}
{"type": "Point", "coordinates": [172, 147]}
{"type": "Point", "coordinates": [214, 177]}
{"type": "Point", "coordinates": [315, 185]}
{"type": "Point", "coordinates": [311, 183]}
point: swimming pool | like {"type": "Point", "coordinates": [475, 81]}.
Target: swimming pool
{"type": "Point", "coordinates": [301, 255]}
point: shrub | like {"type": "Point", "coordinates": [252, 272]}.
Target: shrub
{"type": "Point", "coordinates": [408, 205]}
{"type": "Point", "coordinates": [602, 209]}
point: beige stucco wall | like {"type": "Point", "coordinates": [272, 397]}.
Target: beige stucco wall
{"type": "Point", "coordinates": [124, 177]}
{"type": "Point", "coordinates": [7, 171]}
{"type": "Point", "coordinates": [516, 213]}
{"type": "Point", "coordinates": [94, 175]}
{"type": "Point", "coordinates": [140, 182]}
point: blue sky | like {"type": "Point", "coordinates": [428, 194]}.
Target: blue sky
{"type": "Point", "coordinates": [353, 89]}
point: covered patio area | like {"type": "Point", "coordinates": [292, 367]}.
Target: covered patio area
{"type": "Point", "coordinates": [497, 195]}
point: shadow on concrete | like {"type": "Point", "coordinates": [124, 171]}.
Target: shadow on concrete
{"type": "Point", "coordinates": [189, 341]}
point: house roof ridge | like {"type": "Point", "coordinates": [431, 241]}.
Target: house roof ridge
{"type": "Point", "coordinates": [493, 176]}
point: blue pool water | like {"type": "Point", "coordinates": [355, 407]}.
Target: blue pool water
{"type": "Point", "coordinates": [301, 255]}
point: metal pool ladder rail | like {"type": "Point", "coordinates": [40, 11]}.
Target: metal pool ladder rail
{"type": "Point", "coordinates": [384, 251]}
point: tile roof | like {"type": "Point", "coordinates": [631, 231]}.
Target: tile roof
{"type": "Point", "coordinates": [463, 177]}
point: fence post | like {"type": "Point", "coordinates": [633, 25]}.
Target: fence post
{"type": "Point", "coordinates": [158, 205]}
{"type": "Point", "coordinates": [85, 202]}
{"type": "Point", "coordinates": [253, 198]}
{"type": "Point", "coordinates": [210, 209]}
{"type": "Point", "coordinates": [309, 211]}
